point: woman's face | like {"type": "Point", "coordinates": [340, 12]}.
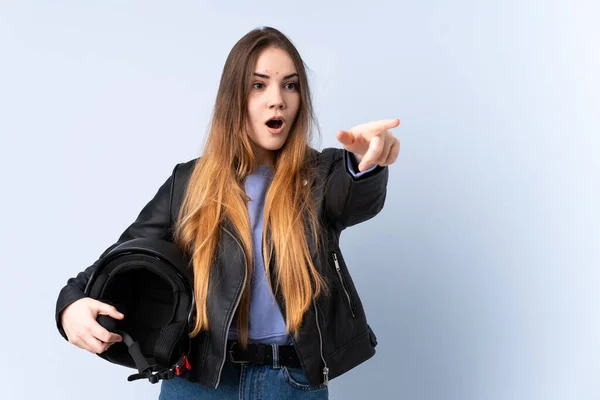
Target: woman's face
{"type": "Point", "coordinates": [274, 95]}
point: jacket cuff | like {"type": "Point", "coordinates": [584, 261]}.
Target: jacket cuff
{"type": "Point", "coordinates": [352, 168]}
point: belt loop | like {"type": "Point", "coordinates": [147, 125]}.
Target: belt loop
{"type": "Point", "coordinates": [275, 356]}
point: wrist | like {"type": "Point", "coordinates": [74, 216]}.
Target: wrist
{"type": "Point", "coordinates": [357, 157]}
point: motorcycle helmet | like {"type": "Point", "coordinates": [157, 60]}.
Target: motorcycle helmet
{"type": "Point", "coordinates": [150, 282]}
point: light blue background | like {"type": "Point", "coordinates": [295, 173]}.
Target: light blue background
{"type": "Point", "coordinates": [480, 276]}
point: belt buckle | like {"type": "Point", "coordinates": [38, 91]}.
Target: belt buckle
{"type": "Point", "coordinates": [230, 355]}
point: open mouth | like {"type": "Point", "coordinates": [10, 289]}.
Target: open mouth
{"type": "Point", "coordinates": [274, 123]}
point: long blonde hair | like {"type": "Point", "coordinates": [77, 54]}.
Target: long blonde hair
{"type": "Point", "coordinates": [215, 192]}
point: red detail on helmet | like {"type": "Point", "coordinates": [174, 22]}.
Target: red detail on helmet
{"type": "Point", "coordinates": [185, 365]}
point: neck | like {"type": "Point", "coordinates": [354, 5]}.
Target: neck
{"type": "Point", "coordinates": [264, 157]}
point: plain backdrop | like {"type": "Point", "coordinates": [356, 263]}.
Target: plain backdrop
{"type": "Point", "coordinates": [480, 276]}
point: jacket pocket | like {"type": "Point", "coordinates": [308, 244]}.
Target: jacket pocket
{"type": "Point", "coordinates": [343, 283]}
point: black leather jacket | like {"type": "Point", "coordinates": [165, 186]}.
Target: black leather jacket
{"type": "Point", "coordinates": [335, 336]}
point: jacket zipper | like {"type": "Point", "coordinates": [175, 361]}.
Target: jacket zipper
{"type": "Point", "coordinates": [339, 272]}
{"type": "Point", "coordinates": [237, 302]}
{"type": "Point", "coordinates": [325, 368]}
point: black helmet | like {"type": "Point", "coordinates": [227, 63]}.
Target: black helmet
{"type": "Point", "coordinates": [150, 282]}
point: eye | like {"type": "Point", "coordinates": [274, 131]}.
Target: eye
{"type": "Point", "coordinates": [294, 86]}
{"type": "Point", "coordinates": [257, 85]}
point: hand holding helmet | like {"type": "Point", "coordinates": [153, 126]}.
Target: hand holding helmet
{"type": "Point", "coordinates": [150, 281]}
{"type": "Point", "coordinates": [79, 323]}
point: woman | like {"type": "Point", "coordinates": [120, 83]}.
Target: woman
{"type": "Point", "coordinates": [260, 214]}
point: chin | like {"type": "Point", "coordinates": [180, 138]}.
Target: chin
{"type": "Point", "coordinates": [273, 147]}
{"type": "Point", "coordinates": [269, 142]}
{"type": "Point", "coordinates": [273, 144]}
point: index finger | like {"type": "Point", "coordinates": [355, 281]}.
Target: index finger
{"type": "Point", "coordinates": [386, 124]}
{"type": "Point", "coordinates": [378, 126]}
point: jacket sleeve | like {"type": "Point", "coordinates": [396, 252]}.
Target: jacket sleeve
{"type": "Point", "coordinates": [153, 221]}
{"type": "Point", "coordinates": [350, 200]}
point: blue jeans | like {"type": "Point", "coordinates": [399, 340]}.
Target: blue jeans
{"type": "Point", "coordinates": [247, 382]}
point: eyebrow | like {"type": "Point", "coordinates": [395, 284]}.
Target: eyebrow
{"type": "Point", "coordinates": [268, 77]}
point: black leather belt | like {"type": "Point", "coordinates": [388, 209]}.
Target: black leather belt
{"type": "Point", "coordinates": [261, 354]}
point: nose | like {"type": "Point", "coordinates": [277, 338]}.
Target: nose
{"type": "Point", "coordinates": [275, 99]}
